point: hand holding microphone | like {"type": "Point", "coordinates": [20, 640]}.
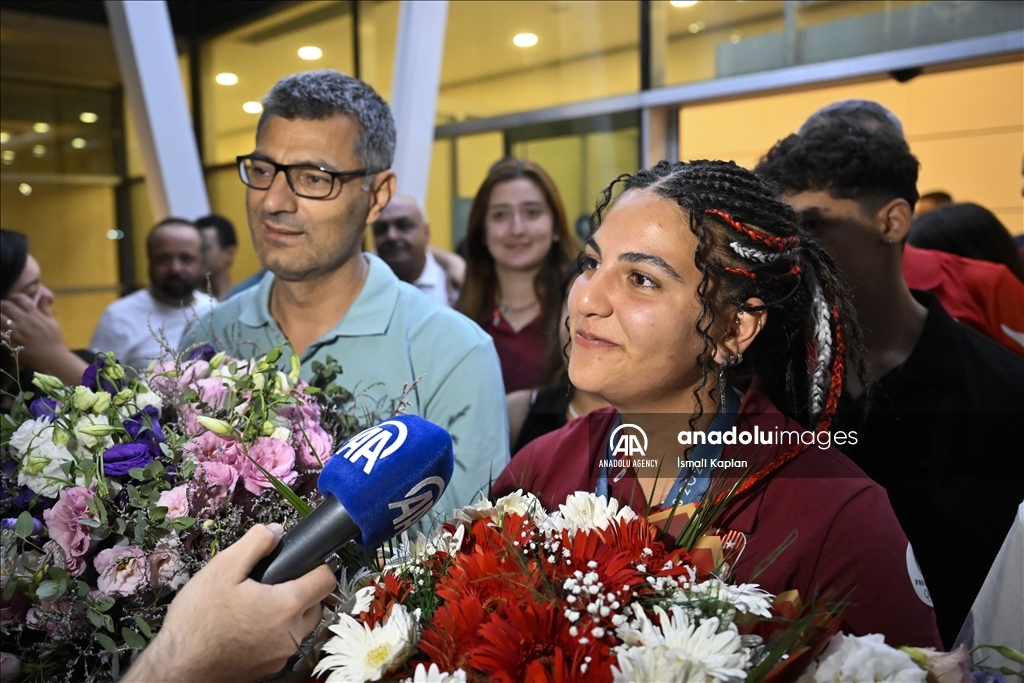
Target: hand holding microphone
{"type": "Point", "coordinates": [378, 484]}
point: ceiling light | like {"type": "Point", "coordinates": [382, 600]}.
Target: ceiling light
{"type": "Point", "coordinates": [525, 39]}
{"type": "Point", "coordinates": [734, 38]}
{"type": "Point", "coordinates": [88, 117]}
{"type": "Point", "coordinates": [226, 78]}
{"type": "Point", "coordinates": [5, 137]}
{"type": "Point", "coordinates": [39, 151]}
{"type": "Point", "coordinates": [310, 52]}
{"type": "Point", "coordinates": [696, 27]}
{"type": "Point", "coordinates": [41, 127]}
{"type": "Point", "coordinates": [682, 3]}
{"type": "Point", "coordinates": [25, 189]}
{"type": "Point", "coordinates": [78, 143]}
{"type": "Point", "coordinates": [8, 156]}
{"type": "Point", "coordinates": [114, 234]}
{"type": "Point", "coordinates": [252, 107]}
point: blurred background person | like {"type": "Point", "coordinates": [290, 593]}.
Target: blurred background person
{"type": "Point", "coordinates": [518, 244]}
{"type": "Point", "coordinates": [967, 230]}
{"type": "Point", "coordinates": [402, 238]}
{"type": "Point", "coordinates": [25, 314]}
{"type": "Point", "coordinates": [148, 324]}
{"type": "Point", "coordinates": [931, 201]}
{"type": "Point", "coordinates": [221, 245]}
{"type": "Point", "coordinates": [535, 412]}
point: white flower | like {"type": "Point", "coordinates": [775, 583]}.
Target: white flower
{"type": "Point", "coordinates": [435, 675]}
{"type": "Point", "coordinates": [861, 659]}
{"type": "Point", "coordinates": [586, 511]}
{"type": "Point", "coordinates": [748, 598]}
{"type": "Point", "coordinates": [93, 443]}
{"type": "Point", "coordinates": [144, 397]}
{"type": "Point", "coordinates": [679, 649]}
{"type": "Point", "coordinates": [41, 459]}
{"type": "Point", "coordinates": [352, 596]}
{"type": "Point", "coordinates": [282, 434]}
{"type": "Point", "coordinates": [359, 653]}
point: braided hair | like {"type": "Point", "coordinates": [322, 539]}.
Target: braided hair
{"type": "Point", "coordinates": [750, 245]}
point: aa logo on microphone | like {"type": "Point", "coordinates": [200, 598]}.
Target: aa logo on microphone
{"type": "Point", "coordinates": [376, 443]}
{"type": "Point", "coordinates": [417, 502]}
{"type": "Point", "coordinates": [628, 441]}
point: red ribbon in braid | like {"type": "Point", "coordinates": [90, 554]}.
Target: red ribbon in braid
{"type": "Point", "coordinates": [780, 243]}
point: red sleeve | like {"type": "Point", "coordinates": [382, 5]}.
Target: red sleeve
{"type": "Point", "coordinates": [1006, 311]}
{"type": "Point", "coordinates": [865, 549]}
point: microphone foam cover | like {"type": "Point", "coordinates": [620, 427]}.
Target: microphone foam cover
{"type": "Point", "coordinates": [389, 476]}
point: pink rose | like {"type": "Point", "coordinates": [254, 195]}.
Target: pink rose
{"type": "Point", "coordinates": [72, 565]}
{"type": "Point", "coordinates": [166, 569]}
{"type": "Point", "coordinates": [176, 502]}
{"type": "Point", "coordinates": [210, 447]}
{"type": "Point", "coordinates": [189, 370]}
{"type": "Point", "coordinates": [273, 455]}
{"type": "Point", "coordinates": [123, 570]}
{"type": "Point", "coordinates": [313, 446]}
{"type": "Point", "coordinates": [213, 392]}
{"type": "Point", "coordinates": [63, 522]}
{"type": "Point", "coordinates": [220, 479]}
{"type": "Point", "coordinates": [305, 409]}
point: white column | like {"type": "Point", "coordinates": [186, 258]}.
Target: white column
{"type": "Point", "coordinates": [418, 53]}
{"type": "Point", "coordinates": [148, 59]}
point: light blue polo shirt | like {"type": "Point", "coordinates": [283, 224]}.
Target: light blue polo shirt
{"type": "Point", "coordinates": [392, 335]}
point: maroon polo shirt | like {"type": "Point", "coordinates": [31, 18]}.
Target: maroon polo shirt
{"type": "Point", "coordinates": [522, 354]}
{"type": "Point", "coordinates": [846, 535]}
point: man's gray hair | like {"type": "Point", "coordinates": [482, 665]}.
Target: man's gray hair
{"type": "Point", "coordinates": [860, 113]}
{"type": "Point", "coordinates": [321, 94]}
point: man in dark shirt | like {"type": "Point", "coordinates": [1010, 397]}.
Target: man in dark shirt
{"type": "Point", "coordinates": [943, 400]}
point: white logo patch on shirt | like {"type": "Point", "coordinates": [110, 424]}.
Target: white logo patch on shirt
{"type": "Point", "coordinates": [917, 578]}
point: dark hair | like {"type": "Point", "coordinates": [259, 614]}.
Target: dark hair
{"type": "Point", "coordinates": [861, 113]}
{"type": "Point", "coordinates": [967, 230]}
{"type": "Point", "coordinates": [847, 161]}
{"type": "Point", "coordinates": [322, 94]}
{"type": "Point", "coordinates": [750, 245]}
{"type": "Point", "coordinates": [477, 297]}
{"type": "Point", "coordinates": [171, 220]}
{"type": "Point", "coordinates": [13, 256]}
{"type": "Point", "coordinates": [938, 197]}
{"type": "Point", "coordinates": [225, 230]}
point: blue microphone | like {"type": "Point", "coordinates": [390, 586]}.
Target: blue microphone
{"type": "Point", "coordinates": [378, 484]}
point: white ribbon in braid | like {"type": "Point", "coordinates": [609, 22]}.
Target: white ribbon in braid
{"type": "Point", "coordinates": [823, 336]}
{"type": "Point", "coordinates": [753, 254]}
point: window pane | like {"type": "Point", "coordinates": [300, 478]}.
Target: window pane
{"type": "Point", "coordinates": [578, 51]}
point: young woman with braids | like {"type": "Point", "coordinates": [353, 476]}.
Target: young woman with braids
{"type": "Point", "coordinates": [702, 306]}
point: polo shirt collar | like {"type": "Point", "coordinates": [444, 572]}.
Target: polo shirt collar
{"type": "Point", "coordinates": [370, 313]}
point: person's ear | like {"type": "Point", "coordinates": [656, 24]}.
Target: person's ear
{"type": "Point", "coordinates": [381, 191]}
{"type": "Point", "coordinates": [231, 251]}
{"type": "Point", "coordinates": [895, 218]}
{"type": "Point", "coordinates": [741, 329]}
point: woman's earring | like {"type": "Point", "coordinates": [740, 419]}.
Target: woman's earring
{"type": "Point", "coordinates": [727, 362]}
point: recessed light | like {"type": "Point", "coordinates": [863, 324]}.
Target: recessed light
{"type": "Point", "coordinates": [7, 156]}
{"type": "Point", "coordinates": [682, 3]}
{"type": "Point", "coordinates": [41, 127]}
{"type": "Point", "coordinates": [310, 52]}
{"type": "Point", "coordinates": [5, 137]}
{"type": "Point", "coordinates": [39, 151]}
{"type": "Point", "coordinates": [524, 39]}
{"type": "Point", "coordinates": [696, 27]}
{"type": "Point", "coordinates": [88, 117]}
{"type": "Point", "coordinates": [25, 189]}
{"type": "Point", "coordinates": [114, 234]}
{"type": "Point", "coordinates": [226, 78]}
{"type": "Point", "coordinates": [252, 107]}
{"type": "Point", "coordinates": [78, 143]}
{"type": "Point", "coordinates": [734, 38]}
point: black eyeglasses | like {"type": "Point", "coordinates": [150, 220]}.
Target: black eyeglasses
{"type": "Point", "coordinates": [311, 182]}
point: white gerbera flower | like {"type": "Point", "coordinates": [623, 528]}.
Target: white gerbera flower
{"type": "Point", "coordinates": [435, 675]}
{"type": "Point", "coordinates": [586, 511]}
{"type": "Point", "coordinates": [353, 596]}
{"type": "Point", "coordinates": [747, 598]}
{"type": "Point", "coordinates": [867, 658]}
{"type": "Point", "coordinates": [679, 649]}
{"type": "Point", "coordinates": [360, 653]}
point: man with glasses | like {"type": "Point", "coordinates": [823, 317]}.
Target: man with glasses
{"type": "Point", "coordinates": [318, 176]}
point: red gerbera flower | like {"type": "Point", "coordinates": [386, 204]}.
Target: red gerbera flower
{"type": "Point", "coordinates": [386, 593]}
{"type": "Point", "coordinates": [453, 632]}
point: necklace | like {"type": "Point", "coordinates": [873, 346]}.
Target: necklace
{"type": "Point", "coordinates": [512, 310]}
{"type": "Point", "coordinates": [572, 411]}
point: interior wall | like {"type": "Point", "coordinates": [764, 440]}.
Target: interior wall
{"type": "Point", "coordinates": [67, 229]}
{"type": "Point", "coordinates": [966, 127]}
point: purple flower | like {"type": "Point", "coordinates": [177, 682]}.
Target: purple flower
{"type": "Point", "coordinates": [43, 407]}
{"type": "Point", "coordinates": [10, 522]}
{"type": "Point", "coordinates": [204, 352]}
{"type": "Point", "coordinates": [117, 460]}
{"type": "Point", "coordinates": [94, 378]}
{"type": "Point", "coordinates": [144, 427]}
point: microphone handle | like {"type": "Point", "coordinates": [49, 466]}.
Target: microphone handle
{"type": "Point", "coordinates": [308, 544]}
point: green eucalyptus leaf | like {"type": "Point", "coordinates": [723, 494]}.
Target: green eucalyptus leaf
{"type": "Point", "coordinates": [48, 591]}
{"type": "Point", "coordinates": [102, 603]}
{"type": "Point", "coordinates": [133, 639]}
{"type": "Point", "coordinates": [107, 643]}
{"type": "Point", "coordinates": [137, 473]}
{"type": "Point", "coordinates": [143, 626]}
{"type": "Point", "coordinates": [23, 527]}
{"type": "Point", "coordinates": [182, 523]}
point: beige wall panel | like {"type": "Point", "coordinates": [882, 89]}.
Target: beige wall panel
{"type": "Point", "coordinates": [142, 221]}
{"type": "Point", "coordinates": [561, 158]}
{"type": "Point", "coordinates": [227, 198]}
{"type": "Point", "coordinates": [970, 99]}
{"type": "Point", "coordinates": [78, 315]}
{"type": "Point", "coordinates": [476, 154]}
{"type": "Point", "coordinates": [439, 195]}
